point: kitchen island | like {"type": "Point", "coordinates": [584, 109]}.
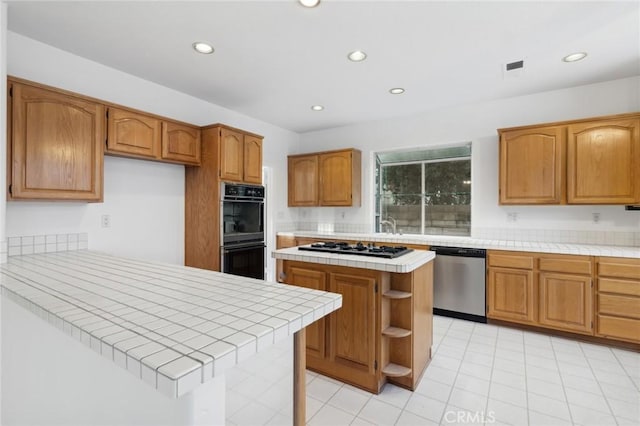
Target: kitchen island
{"type": "Point", "coordinates": [158, 338]}
{"type": "Point", "coordinates": [383, 332]}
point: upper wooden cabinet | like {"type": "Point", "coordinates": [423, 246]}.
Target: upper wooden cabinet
{"type": "Point", "coordinates": [180, 143]}
{"type": "Point", "coordinates": [603, 162]}
{"type": "Point", "coordinates": [591, 161]}
{"type": "Point", "coordinates": [331, 178]}
{"type": "Point", "coordinates": [54, 144]}
{"type": "Point", "coordinates": [303, 181]}
{"type": "Point", "coordinates": [532, 166]}
{"type": "Point", "coordinates": [240, 156]}
{"type": "Point", "coordinates": [135, 134]}
{"type": "Point", "coordinates": [132, 133]}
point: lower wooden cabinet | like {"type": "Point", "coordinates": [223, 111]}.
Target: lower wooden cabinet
{"type": "Point", "coordinates": [545, 290]}
{"type": "Point", "coordinates": [618, 298]}
{"type": "Point", "coordinates": [382, 332]}
{"type": "Point", "coordinates": [511, 287]}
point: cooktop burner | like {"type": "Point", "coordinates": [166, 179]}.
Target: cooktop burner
{"type": "Point", "coordinates": [386, 252]}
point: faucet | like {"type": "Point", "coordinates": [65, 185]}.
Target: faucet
{"type": "Point", "coordinates": [390, 222]}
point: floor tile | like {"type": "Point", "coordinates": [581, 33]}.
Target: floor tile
{"type": "Point", "coordinates": [409, 419]}
{"type": "Point", "coordinates": [394, 395]}
{"type": "Point", "coordinates": [620, 393]}
{"type": "Point", "coordinates": [348, 400]}
{"type": "Point", "coordinates": [425, 407]}
{"type": "Point", "coordinates": [322, 389]}
{"type": "Point", "coordinates": [539, 419]}
{"type": "Point", "coordinates": [506, 413]}
{"type": "Point", "coordinates": [517, 381]}
{"type": "Point", "coordinates": [508, 394]}
{"type": "Point", "coordinates": [379, 412]}
{"type": "Point", "coordinates": [476, 370]}
{"type": "Point", "coordinates": [585, 384]}
{"type": "Point", "coordinates": [472, 384]}
{"type": "Point", "coordinates": [468, 400]}
{"type": "Point", "coordinates": [252, 414]}
{"type": "Point", "coordinates": [445, 362]}
{"type": "Point", "coordinates": [625, 409]}
{"type": "Point", "coordinates": [586, 416]}
{"type": "Point", "coordinates": [440, 375]}
{"type": "Point", "coordinates": [458, 416]}
{"type": "Point", "coordinates": [477, 358]}
{"type": "Point", "coordinates": [544, 374]}
{"type": "Point", "coordinates": [361, 422]}
{"type": "Point", "coordinates": [330, 416]}
{"type": "Point", "coordinates": [548, 406]}
{"type": "Point", "coordinates": [544, 388]}
{"type": "Point", "coordinates": [434, 390]}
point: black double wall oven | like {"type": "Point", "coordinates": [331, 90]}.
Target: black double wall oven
{"type": "Point", "coordinates": [242, 229]}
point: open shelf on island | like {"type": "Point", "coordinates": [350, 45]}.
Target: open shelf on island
{"type": "Point", "coordinates": [395, 370]}
{"type": "Point", "coordinates": [395, 294]}
{"type": "Point", "coordinates": [396, 332]}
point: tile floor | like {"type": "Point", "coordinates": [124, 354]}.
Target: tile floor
{"type": "Point", "coordinates": [480, 374]}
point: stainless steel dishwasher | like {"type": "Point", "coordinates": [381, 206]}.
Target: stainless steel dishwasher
{"type": "Point", "coordinates": [459, 283]}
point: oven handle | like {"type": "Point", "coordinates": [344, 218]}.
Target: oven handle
{"type": "Point", "coordinates": [250, 200]}
{"type": "Point", "coordinates": [238, 247]}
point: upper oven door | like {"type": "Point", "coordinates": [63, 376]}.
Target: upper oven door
{"type": "Point", "coordinates": [242, 219]}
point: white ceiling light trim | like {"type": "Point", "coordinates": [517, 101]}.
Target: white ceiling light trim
{"type": "Point", "coordinates": [357, 56]}
{"type": "Point", "coordinates": [578, 56]}
{"type": "Point", "coordinates": [317, 107]}
{"type": "Point", "coordinates": [309, 3]}
{"type": "Point", "coordinates": [396, 91]}
{"type": "Point", "coordinates": [202, 47]}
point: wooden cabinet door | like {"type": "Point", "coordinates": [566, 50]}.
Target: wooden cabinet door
{"type": "Point", "coordinates": [603, 162]}
{"type": "Point", "coordinates": [335, 183]}
{"type": "Point", "coordinates": [353, 327]}
{"type": "Point", "coordinates": [133, 133]}
{"type": "Point", "coordinates": [303, 181]}
{"type": "Point", "coordinates": [532, 166]}
{"type": "Point", "coordinates": [180, 143]}
{"type": "Point", "coordinates": [231, 155]}
{"type": "Point", "coordinates": [315, 332]}
{"type": "Point", "coordinates": [252, 159]}
{"type": "Point", "coordinates": [511, 295]}
{"type": "Point", "coordinates": [566, 302]}
{"type": "Point", "coordinates": [56, 145]}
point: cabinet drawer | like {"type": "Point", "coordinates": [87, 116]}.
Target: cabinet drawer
{"type": "Point", "coordinates": [566, 265]}
{"type": "Point", "coordinates": [619, 305]}
{"type": "Point", "coordinates": [623, 268]}
{"type": "Point", "coordinates": [612, 285]}
{"type": "Point", "coordinates": [622, 328]}
{"type": "Point", "coordinates": [511, 260]}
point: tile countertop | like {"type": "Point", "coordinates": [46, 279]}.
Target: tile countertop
{"type": "Point", "coordinates": [402, 264]}
{"type": "Point", "coordinates": [468, 242]}
{"type": "Point", "coordinates": [172, 326]}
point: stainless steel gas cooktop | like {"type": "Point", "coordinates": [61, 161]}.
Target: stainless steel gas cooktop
{"type": "Point", "coordinates": [385, 252]}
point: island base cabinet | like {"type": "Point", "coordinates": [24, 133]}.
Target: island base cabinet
{"type": "Point", "coordinates": [383, 331]}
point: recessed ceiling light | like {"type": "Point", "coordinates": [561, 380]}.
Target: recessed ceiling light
{"type": "Point", "coordinates": [357, 56]}
{"type": "Point", "coordinates": [309, 3]}
{"type": "Point", "coordinates": [317, 107]}
{"type": "Point", "coordinates": [396, 91]}
{"type": "Point", "coordinates": [202, 47]}
{"type": "Point", "coordinates": [574, 57]}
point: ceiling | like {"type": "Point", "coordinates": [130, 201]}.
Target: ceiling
{"type": "Point", "coordinates": [273, 60]}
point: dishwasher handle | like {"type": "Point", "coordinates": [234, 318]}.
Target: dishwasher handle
{"type": "Point", "coordinates": [459, 251]}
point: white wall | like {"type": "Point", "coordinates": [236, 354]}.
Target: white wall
{"type": "Point", "coordinates": [145, 199]}
{"type": "Point", "coordinates": [478, 123]}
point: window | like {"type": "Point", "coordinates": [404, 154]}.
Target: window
{"type": "Point", "coordinates": [424, 192]}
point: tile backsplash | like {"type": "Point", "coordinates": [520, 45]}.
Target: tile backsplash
{"type": "Point", "coordinates": [606, 237]}
{"type": "Point", "coordinates": [30, 244]}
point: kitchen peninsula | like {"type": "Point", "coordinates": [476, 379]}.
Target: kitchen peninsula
{"type": "Point", "coordinates": [383, 332]}
{"type": "Point", "coordinates": [158, 338]}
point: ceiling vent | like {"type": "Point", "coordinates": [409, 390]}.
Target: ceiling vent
{"type": "Point", "coordinates": [513, 69]}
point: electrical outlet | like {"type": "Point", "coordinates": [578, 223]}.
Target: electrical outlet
{"type": "Point", "coordinates": [105, 220]}
{"type": "Point", "coordinates": [596, 217]}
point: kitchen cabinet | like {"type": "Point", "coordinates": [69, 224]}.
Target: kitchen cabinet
{"type": "Point", "coordinates": [589, 161]}
{"type": "Point", "coordinates": [283, 242]}
{"type": "Point", "coordinates": [240, 156]}
{"type": "Point", "coordinates": [330, 178]}
{"type": "Point", "coordinates": [54, 144]}
{"type": "Point", "coordinates": [303, 181]}
{"type": "Point", "coordinates": [566, 293]}
{"type": "Point", "coordinates": [138, 135]}
{"type": "Point", "coordinates": [618, 298]}
{"type": "Point", "coordinates": [511, 287]}
{"type": "Point", "coordinates": [532, 166]}
{"type": "Point", "coordinates": [202, 194]}
{"type": "Point", "coordinates": [603, 161]}
{"type": "Point", "coordinates": [180, 143]}
{"type": "Point", "coordinates": [383, 331]}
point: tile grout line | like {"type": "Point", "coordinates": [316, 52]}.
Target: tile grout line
{"type": "Point", "coordinates": [606, 400]}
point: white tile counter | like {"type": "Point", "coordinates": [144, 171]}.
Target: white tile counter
{"type": "Point", "coordinates": [468, 242]}
{"type": "Point", "coordinates": [402, 264]}
{"type": "Point", "coordinates": [173, 327]}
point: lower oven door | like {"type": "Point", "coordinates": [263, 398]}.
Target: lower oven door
{"type": "Point", "coordinates": [246, 260]}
